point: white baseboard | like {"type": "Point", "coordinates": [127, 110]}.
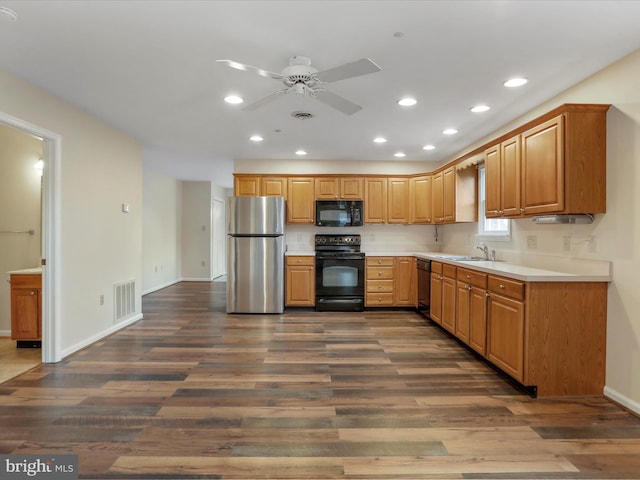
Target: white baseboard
{"type": "Point", "coordinates": [88, 341]}
{"type": "Point", "coordinates": [160, 287]}
{"type": "Point", "coordinates": [196, 279]}
{"type": "Point", "coordinates": [622, 400]}
{"type": "Point", "coordinates": [5, 333]}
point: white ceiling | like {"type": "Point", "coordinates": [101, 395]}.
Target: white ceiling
{"type": "Point", "coordinates": [148, 68]}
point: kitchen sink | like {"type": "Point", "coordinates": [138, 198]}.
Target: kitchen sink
{"type": "Point", "coordinates": [465, 258]}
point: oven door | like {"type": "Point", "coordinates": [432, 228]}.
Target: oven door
{"type": "Point", "coordinates": [339, 282]}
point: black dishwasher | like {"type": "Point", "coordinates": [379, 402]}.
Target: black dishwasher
{"type": "Point", "coordinates": [424, 286]}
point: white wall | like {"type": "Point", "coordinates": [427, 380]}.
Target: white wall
{"type": "Point", "coordinates": [161, 236]}
{"type": "Point", "coordinates": [20, 189]}
{"type": "Point", "coordinates": [101, 168]}
{"type": "Point", "coordinates": [616, 233]}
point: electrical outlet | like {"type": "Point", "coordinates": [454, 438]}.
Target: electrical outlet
{"type": "Point", "coordinates": [203, 263]}
{"type": "Point", "coordinates": [101, 299]}
{"type": "Point", "coordinates": [532, 242]}
{"type": "Point", "coordinates": [566, 243]}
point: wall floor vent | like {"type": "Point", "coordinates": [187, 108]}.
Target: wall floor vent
{"type": "Point", "coordinates": [124, 295]}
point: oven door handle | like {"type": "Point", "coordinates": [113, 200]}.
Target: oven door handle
{"type": "Point", "coordinates": [341, 257]}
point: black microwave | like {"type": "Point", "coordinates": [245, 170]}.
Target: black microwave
{"type": "Point", "coordinates": [339, 213]}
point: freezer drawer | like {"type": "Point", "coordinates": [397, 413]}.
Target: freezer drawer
{"type": "Point", "coordinates": [255, 277]}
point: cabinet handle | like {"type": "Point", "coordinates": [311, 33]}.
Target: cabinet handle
{"type": "Point", "coordinates": [521, 210]}
{"type": "Point", "coordinates": [379, 261]}
{"type": "Point", "coordinates": [379, 273]}
{"type": "Point", "coordinates": [486, 294]}
{"type": "Point", "coordinates": [33, 292]}
{"type": "Point", "coordinates": [501, 286]}
{"type": "Point", "coordinates": [379, 287]}
{"type": "Point", "coordinates": [468, 276]}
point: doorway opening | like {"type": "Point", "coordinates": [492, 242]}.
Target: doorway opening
{"type": "Point", "coordinates": [50, 237]}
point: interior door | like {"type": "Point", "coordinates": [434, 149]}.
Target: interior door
{"type": "Point", "coordinates": [218, 240]}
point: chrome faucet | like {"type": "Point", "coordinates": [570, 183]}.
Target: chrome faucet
{"type": "Point", "coordinates": [484, 249]}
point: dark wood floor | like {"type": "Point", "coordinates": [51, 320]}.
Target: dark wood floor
{"type": "Point", "coordinates": [191, 392]}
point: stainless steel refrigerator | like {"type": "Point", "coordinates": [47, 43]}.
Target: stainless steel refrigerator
{"type": "Point", "coordinates": [255, 267]}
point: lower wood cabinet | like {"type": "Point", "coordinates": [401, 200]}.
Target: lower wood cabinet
{"type": "Point", "coordinates": [549, 336]}
{"type": "Point", "coordinates": [26, 306]}
{"type": "Point", "coordinates": [391, 281]}
{"type": "Point", "coordinates": [300, 278]}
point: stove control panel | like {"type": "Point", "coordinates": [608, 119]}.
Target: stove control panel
{"type": "Point", "coordinates": [337, 240]}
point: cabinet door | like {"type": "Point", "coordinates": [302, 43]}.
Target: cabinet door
{"type": "Point", "coordinates": [327, 188]}
{"type": "Point", "coordinates": [510, 176]}
{"type": "Point", "coordinates": [420, 193]}
{"type": "Point", "coordinates": [300, 200]}
{"type": "Point", "coordinates": [449, 304]}
{"type": "Point", "coordinates": [543, 168]}
{"type": "Point", "coordinates": [492, 182]}
{"type": "Point", "coordinates": [437, 191]}
{"type": "Point", "coordinates": [25, 314]}
{"type": "Point", "coordinates": [351, 188]}
{"type": "Point", "coordinates": [300, 278]}
{"type": "Point", "coordinates": [246, 186]}
{"type": "Point", "coordinates": [478, 320]}
{"type": "Point", "coordinates": [505, 334]}
{"type": "Point", "coordinates": [449, 195]}
{"type": "Point", "coordinates": [398, 206]}
{"type": "Point", "coordinates": [405, 277]}
{"type": "Point", "coordinates": [435, 311]}
{"type": "Point", "coordinates": [273, 187]}
{"type": "Point", "coordinates": [375, 200]}
{"type": "Point", "coordinates": [463, 304]}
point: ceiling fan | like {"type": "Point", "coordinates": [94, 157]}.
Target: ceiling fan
{"type": "Point", "coordinates": [302, 79]}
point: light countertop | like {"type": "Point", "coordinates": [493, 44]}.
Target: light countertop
{"type": "Point", "coordinates": [573, 270]}
{"type": "Point", "coordinates": [27, 271]}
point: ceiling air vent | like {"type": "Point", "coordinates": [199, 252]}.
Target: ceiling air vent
{"type": "Point", "coordinates": [302, 115]}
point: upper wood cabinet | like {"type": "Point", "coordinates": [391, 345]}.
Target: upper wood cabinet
{"type": "Point", "coordinates": [300, 200]}
{"type": "Point", "coordinates": [246, 186]}
{"type": "Point", "coordinates": [556, 164]}
{"type": "Point", "coordinates": [398, 200]}
{"type": "Point", "coordinates": [273, 187]}
{"type": "Point", "coordinates": [420, 199]}
{"type": "Point", "coordinates": [502, 179]}
{"type": "Point", "coordinates": [454, 195]}
{"type": "Point", "coordinates": [375, 200]}
{"type": "Point", "coordinates": [339, 188]}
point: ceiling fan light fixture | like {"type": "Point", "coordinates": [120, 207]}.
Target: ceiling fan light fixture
{"type": "Point", "coordinates": [429, 147]}
{"type": "Point", "coordinates": [233, 99]}
{"type": "Point", "coordinates": [515, 82]}
{"type": "Point", "coordinates": [480, 108]}
{"type": "Point", "coordinates": [379, 140]}
{"type": "Point", "coordinates": [407, 102]}
{"type": "Point", "coordinates": [450, 131]}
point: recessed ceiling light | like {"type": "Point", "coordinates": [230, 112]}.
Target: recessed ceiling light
{"type": "Point", "coordinates": [480, 108]}
{"type": "Point", "coordinates": [399, 155]}
{"type": "Point", "coordinates": [256, 138]}
{"type": "Point", "coordinates": [233, 99]}
{"type": "Point", "coordinates": [407, 102]}
{"type": "Point", "coordinates": [515, 82]}
{"type": "Point", "coordinates": [450, 131]}
{"type": "Point", "coordinates": [7, 15]}
{"type": "Point", "coordinates": [429, 147]}
{"type": "Point", "coordinates": [380, 140]}
{"type": "Point", "coordinates": [300, 152]}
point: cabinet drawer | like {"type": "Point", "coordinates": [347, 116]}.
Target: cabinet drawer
{"type": "Point", "coordinates": [307, 260]}
{"type": "Point", "coordinates": [19, 280]}
{"type": "Point", "coordinates": [449, 271]}
{"type": "Point", "coordinates": [436, 267]}
{"type": "Point", "coordinates": [470, 277]}
{"type": "Point", "coordinates": [383, 299]}
{"type": "Point", "coordinates": [379, 273]}
{"type": "Point", "coordinates": [506, 287]}
{"type": "Point", "coordinates": [380, 286]}
{"type": "Point", "coordinates": [379, 261]}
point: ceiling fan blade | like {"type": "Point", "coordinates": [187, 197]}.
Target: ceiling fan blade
{"type": "Point", "coordinates": [348, 70]}
{"type": "Point", "coordinates": [337, 102]}
{"type": "Point", "coordinates": [248, 68]}
{"type": "Point", "coordinates": [265, 100]}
